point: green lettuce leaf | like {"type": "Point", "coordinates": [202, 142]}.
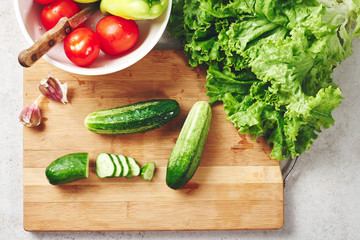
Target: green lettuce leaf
{"type": "Point", "coordinates": [270, 62]}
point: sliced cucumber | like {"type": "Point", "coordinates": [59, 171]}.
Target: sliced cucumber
{"type": "Point", "coordinates": [148, 170]}
{"type": "Point", "coordinates": [104, 166]}
{"type": "Point", "coordinates": [118, 165]}
{"type": "Point", "coordinates": [134, 168]}
{"type": "Point", "coordinates": [124, 162]}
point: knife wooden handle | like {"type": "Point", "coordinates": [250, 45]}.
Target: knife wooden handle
{"type": "Point", "coordinates": [49, 39]}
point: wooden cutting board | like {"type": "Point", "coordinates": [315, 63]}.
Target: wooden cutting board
{"type": "Point", "coordinates": [237, 185]}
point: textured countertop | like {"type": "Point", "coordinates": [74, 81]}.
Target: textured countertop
{"type": "Point", "coordinates": [322, 196]}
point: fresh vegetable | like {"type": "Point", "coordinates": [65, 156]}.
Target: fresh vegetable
{"type": "Point", "coordinates": [68, 168]}
{"type": "Point", "coordinates": [105, 166]}
{"type": "Point", "coordinates": [135, 118]}
{"type": "Point", "coordinates": [134, 167]}
{"type": "Point", "coordinates": [31, 115]}
{"type": "Point", "coordinates": [82, 46]}
{"type": "Point", "coordinates": [134, 9]}
{"type": "Point", "coordinates": [117, 35]}
{"type": "Point", "coordinates": [270, 62]}
{"type": "Point", "coordinates": [186, 154]}
{"type": "Point", "coordinates": [111, 165]}
{"type": "Point", "coordinates": [51, 13]}
{"type": "Point", "coordinates": [44, 1]}
{"type": "Point", "coordinates": [148, 170]}
{"type": "Point", "coordinates": [125, 164]}
{"type": "Point", "coordinates": [53, 89]}
{"type": "Point", "coordinates": [118, 165]}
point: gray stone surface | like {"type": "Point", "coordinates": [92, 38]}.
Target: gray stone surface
{"type": "Point", "coordinates": [322, 197]}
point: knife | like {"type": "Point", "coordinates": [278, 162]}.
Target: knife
{"type": "Point", "coordinates": [55, 35]}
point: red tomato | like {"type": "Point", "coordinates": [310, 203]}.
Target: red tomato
{"type": "Point", "coordinates": [117, 34]}
{"type": "Point", "coordinates": [44, 1]}
{"type": "Point", "coordinates": [51, 13]}
{"type": "Point", "coordinates": [82, 46]}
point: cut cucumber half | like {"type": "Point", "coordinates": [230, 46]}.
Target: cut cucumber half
{"type": "Point", "coordinates": [118, 165]}
{"type": "Point", "coordinates": [68, 168]}
{"type": "Point", "coordinates": [124, 162]}
{"type": "Point", "coordinates": [104, 166]}
{"type": "Point", "coordinates": [148, 170]}
{"type": "Point", "coordinates": [134, 168]}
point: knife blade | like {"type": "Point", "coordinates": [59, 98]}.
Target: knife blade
{"type": "Point", "coordinates": [55, 35]}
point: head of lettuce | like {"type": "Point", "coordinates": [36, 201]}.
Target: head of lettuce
{"type": "Point", "coordinates": [270, 62]}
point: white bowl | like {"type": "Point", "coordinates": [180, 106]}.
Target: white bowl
{"type": "Point", "coordinates": [28, 16]}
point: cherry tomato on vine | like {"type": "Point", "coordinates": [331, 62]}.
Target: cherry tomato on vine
{"type": "Point", "coordinates": [82, 46]}
{"type": "Point", "coordinates": [117, 35]}
{"type": "Point", "coordinates": [44, 1]}
{"type": "Point", "coordinates": [51, 13]}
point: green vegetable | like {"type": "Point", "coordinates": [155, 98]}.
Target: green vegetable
{"type": "Point", "coordinates": [68, 168]}
{"type": "Point", "coordinates": [270, 62]}
{"type": "Point", "coordinates": [118, 165]}
{"type": "Point", "coordinates": [134, 168]}
{"type": "Point", "coordinates": [105, 166]}
{"type": "Point", "coordinates": [148, 170]}
{"type": "Point", "coordinates": [134, 9]}
{"type": "Point", "coordinates": [135, 118]}
{"type": "Point", "coordinates": [124, 162]}
{"type": "Point", "coordinates": [186, 154]}
{"type": "Point", "coordinates": [111, 165]}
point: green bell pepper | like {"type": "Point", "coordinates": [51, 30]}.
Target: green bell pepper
{"type": "Point", "coordinates": [134, 9]}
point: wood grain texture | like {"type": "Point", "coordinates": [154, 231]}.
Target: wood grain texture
{"type": "Point", "coordinates": [237, 185]}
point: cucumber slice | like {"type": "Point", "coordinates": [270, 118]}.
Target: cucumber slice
{"type": "Point", "coordinates": [113, 163]}
{"type": "Point", "coordinates": [104, 166]}
{"type": "Point", "coordinates": [134, 168]}
{"type": "Point", "coordinates": [148, 170]}
{"type": "Point", "coordinates": [124, 162]}
{"type": "Point", "coordinates": [118, 165]}
{"type": "Point", "coordinates": [68, 168]}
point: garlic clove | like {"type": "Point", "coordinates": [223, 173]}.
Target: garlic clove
{"type": "Point", "coordinates": [53, 89]}
{"type": "Point", "coordinates": [31, 116]}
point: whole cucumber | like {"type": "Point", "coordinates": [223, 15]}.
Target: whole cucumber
{"type": "Point", "coordinates": [134, 118]}
{"type": "Point", "coordinates": [185, 156]}
{"type": "Point", "coordinates": [68, 168]}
